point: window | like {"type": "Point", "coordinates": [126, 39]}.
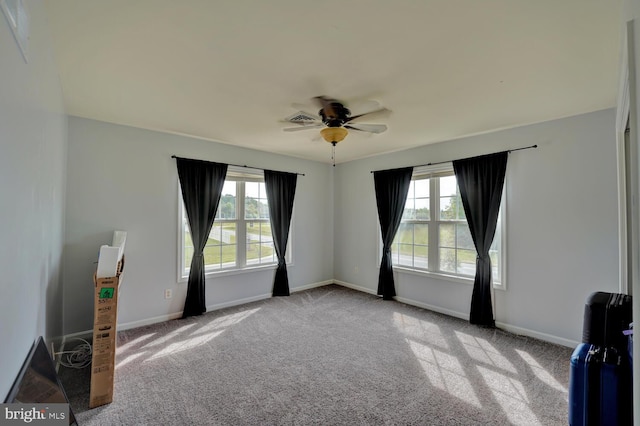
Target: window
{"type": "Point", "coordinates": [434, 236]}
{"type": "Point", "coordinates": [241, 236]}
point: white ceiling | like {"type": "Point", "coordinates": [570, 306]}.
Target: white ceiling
{"type": "Point", "coordinates": [230, 70]}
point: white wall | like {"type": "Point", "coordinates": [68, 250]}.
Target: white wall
{"type": "Point", "coordinates": [124, 178]}
{"type": "Point", "coordinates": [561, 224]}
{"type": "Point", "coordinates": [32, 188]}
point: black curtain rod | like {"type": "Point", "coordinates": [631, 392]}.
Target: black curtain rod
{"type": "Point", "coordinates": [241, 165]}
{"type": "Point", "coordinates": [443, 162]}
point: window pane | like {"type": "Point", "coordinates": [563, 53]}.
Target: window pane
{"type": "Point", "coordinates": [421, 245]}
{"type": "Point", "coordinates": [259, 249]}
{"type": "Point", "coordinates": [421, 188]}
{"type": "Point", "coordinates": [228, 256]}
{"type": "Point", "coordinates": [422, 208]}
{"type": "Point", "coordinates": [495, 266]}
{"type": "Point", "coordinates": [254, 231]}
{"type": "Point", "coordinates": [421, 256]}
{"type": "Point", "coordinates": [395, 253]}
{"type": "Point", "coordinates": [448, 208]}
{"type": "Point", "coordinates": [448, 186]}
{"type": "Point", "coordinates": [255, 201]}
{"type": "Point", "coordinates": [223, 233]}
{"type": "Point", "coordinates": [405, 254]}
{"type": "Point", "coordinates": [227, 206]}
{"type": "Point", "coordinates": [421, 234]}
{"type": "Point", "coordinates": [450, 201]}
{"type": "Point", "coordinates": [451, 208]}
{"type": "Point", "coordinates": [188, 253]}
{"type": "Point", "coordinates": [447, 260]}
{"type": "Point", "coordinates": [447, 235]}
{"type": "Point", "coordinates": [463, 237]}
{"type": "Point", "coordinates": [215, 234]}
{"type": "Point", "coordinates": [494, 251]}
{"type": "Point", "coordinates": [220, 250]}
{"type": "Point", "coordinates": [404, 234]}
{"type": "Point", "coordinates": [212, 256]}
{"type": "Point", "coordinates": [411, 193]}
{"type": "Point", "coordinates": [252, 189]}
{"type": "Point", "coordinates": [264, 209]}
{"type": "Point", "coordinates": [253, 253]}
{"type": "Point", "coordinates": [409, 212]}
{"type": "Point", "coordinates": [188, 243]}
{"type": "Point", "coordinates": [460, 209]}
{"type": "Point", "coordinates": [466, 262]}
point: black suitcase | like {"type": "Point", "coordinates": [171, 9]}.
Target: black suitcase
{"type": "Point", "coordinates": [606, 316]}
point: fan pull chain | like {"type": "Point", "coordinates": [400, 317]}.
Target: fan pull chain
{"type": "Point", "coordinates": [333, 153]}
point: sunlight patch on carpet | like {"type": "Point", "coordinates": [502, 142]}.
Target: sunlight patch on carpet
{"type": "Point", "coordinates": [120, 348]}
{"type": "Point", "coordinates": [511, 395]}
{"type": "Point", "coordinates": [481, 350]}
{"type": "Point", "coordinates": [185, 345]}
{"type": "Point", "coordinates": [225, 321]}
{"type": "Point", "coordinates": [444, 372]}
{"type": "Point", "coordinates": [542, 374]}
{"type": "Point", "coordinates": [126, 360]}
{"type": "Point", "coordinates": [169, 336]}
{"type": "Point", "coordinates": [122, 355]}
{"type": "Point", "coordinates": [420, 329]}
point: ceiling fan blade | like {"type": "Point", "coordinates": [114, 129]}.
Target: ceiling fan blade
{"type": "Point", "coordinates": [375, 113]}
{"type": "Point", "coordinates": [323, 100]}
{"type": "Point", "coordinates": [303, 127]}
{"type": "Point", "coordinates": [371, 128]}
{"type": "Point", "coordinates": [326, 104]}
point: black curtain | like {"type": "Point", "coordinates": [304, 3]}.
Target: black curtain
{"type": "Point", "coordinates": [281, 190]}
{"type": "Point", "coordinates": [481, 180]}
{"type": "Point", "coordinates": [201, 183]}
{"type": "Point", "coordinates": [391, 187]}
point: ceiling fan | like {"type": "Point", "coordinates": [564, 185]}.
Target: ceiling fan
{"type": "Point", "coordinates": [335, 120]}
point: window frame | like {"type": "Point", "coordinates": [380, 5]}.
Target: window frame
{"type": "Point", "coordinates": [436, 171]}
{"type": "Point", "coordinates": [240, 176]}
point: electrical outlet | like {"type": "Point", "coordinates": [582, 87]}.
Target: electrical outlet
{"type": "Point", "coordinates": [356, 269]}
{"type": "Point", "coordinates": [168, 293]}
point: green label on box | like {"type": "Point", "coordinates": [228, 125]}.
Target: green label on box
{"type": "Point", "coordinates": [106, 293]}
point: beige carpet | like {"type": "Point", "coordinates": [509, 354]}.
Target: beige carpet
{"type": "Point", "coordinates": [328, 356]}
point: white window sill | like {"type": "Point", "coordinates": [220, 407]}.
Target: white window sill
{"type": "Point", "coordinates": [228, 272]}
{"type": "Point", "coordinates": [445, 277]}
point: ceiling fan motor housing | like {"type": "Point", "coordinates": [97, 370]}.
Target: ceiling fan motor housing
{"type": "Point", "coordinates": [334, 114]}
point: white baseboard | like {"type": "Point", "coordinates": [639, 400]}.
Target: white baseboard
{"type": "Point", "coordinates": [537, 335]}
{"type": "Point", "coordinates": [355, 287]}
{"type": "Point", "coordinates": [465, 316]}
{"type": "Point", "coordinates": [229, 304]}
{"type": "Point", "coordinates": [433, 308]}
{"type": "Point", "coordinates": [313, 285]}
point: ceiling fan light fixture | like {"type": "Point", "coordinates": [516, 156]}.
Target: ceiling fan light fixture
{"type": "Point", "coordinates": [334, 134]}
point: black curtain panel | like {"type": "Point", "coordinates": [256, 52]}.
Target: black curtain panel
{"type": "Point", "coordinates": [391, 187]}
{"type": "Point", "coordinates": [481, 180]}
{"type": "Point", "coordinates": [281, 190]}
{"type": "Point", "coordinates": [201, 183]}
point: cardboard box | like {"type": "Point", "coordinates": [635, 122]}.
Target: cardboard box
{"type": "Point", "coordinates": [105, 319]}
